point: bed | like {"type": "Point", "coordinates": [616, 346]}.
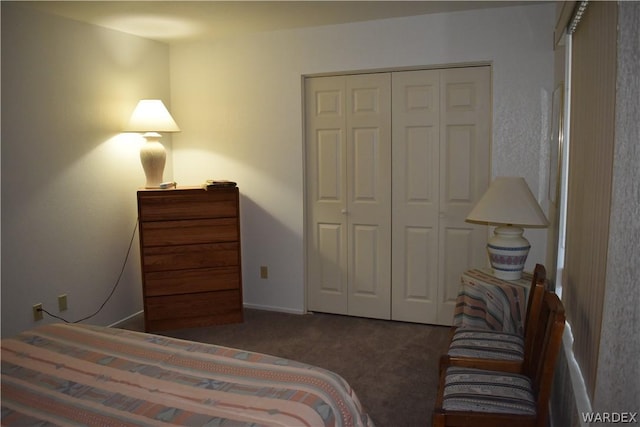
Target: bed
{"type": "Point", "coordinates": [73, 374]}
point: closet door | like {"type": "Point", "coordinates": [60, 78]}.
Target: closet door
{"type": "Point", "coordinates": [326, 200]}
{"type": "Point", "coordinates": [465, 159]}
{"type": "Point", "coordinates": [348, 170]}
{"type": "Point", "coordinates": [441, 147]}
{"type": "Point", "coordinates": [369, 194]}
{"type": "Point", "coordinates": [416, 184]}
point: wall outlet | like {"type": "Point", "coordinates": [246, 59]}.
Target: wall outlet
{"type": "Point", "coordinates": [264, 272]}
{"type": "Point", "coordinates": [37, 312]}
{"type": "Point", "coordinates": [62, 302]}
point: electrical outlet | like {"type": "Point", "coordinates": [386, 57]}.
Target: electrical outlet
{"type": "Point", "coordinates": [62, 302]}
{"type": "Point", "coordinates": [264, 272]}
{"type": "Point", "coordinates": [37, 312]}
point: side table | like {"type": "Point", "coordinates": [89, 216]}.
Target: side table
{"type": "Point", "coordinates": [485, 301]}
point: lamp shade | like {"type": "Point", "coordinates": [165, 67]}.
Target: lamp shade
{"type": "Point", "coordinates": [150, 115]}
{"type": "Point", "coordinates": [509, 200]}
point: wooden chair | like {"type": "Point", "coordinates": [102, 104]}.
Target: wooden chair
{"type": "Point", "coordinates": [487, 347]}
{"type": "Point", "coordinates": [485, 398]}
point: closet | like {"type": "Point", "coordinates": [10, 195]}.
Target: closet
{"type": "Point", "coordinates": [394, 162]}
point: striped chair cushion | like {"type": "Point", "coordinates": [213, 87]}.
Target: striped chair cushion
{"type": "Point", "coordinates": [477, 390]}
{"type": "Point", "coordinates": [484, 344]}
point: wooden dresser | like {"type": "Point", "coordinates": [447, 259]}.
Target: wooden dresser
{"type": "Point", "coordinates": [190, 256]}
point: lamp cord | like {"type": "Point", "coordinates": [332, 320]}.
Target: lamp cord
{"type": "Point", "coordinates": [113, 289]}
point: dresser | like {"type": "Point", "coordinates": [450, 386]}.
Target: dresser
{"type": "Point", "coordinates": [190, 257]}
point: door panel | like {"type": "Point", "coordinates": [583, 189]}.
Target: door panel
{"type": "Point", "coordinates": [369, 182]}
{"type": "Point", "coordinates": [326, 195]}
{"type": "Point", "coordinates": [415, 216]}
{"type": "Point", "coordinates": [458, 244]}
{"type": "Point", "coordinates": [421, 147]}
{"type": "Point", "coordinates": [460, 157]}
{"type": "Point", "coordinates": [369, 292]}
{"type": "Point", "coordinates": [329, 165]}
{"type": "Point", "coordinates": [465, 159]}
{"type": "Point", "coordinates": [365, 243]}
{"type": "Point", "coordinates": [365, 166]}
{"type": "Point", "coordinates": [418, 249]}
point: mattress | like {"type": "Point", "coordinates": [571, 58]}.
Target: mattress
{"type": "Point", "coordinates": [72, 374]}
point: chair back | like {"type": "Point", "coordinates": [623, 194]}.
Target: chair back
{"type": "Point", "coordinates": [539, 274]}
{"type": "Point", "coordinates": [539, 277]}
{"type": "Point", "coordinates": [539, 285]}
{"type": "Point", "coordinates": [539, 363]}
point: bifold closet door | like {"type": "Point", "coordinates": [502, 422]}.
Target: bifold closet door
{"type": "Point", "coordinates": [416, 195]}
{"type": "Point", "coordinates": [441, 161]}
{"type": "Point", "coordinates": [421, 138]}
{"type": "Point", "coordinates": [348, 172]}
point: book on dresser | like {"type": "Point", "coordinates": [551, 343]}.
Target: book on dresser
{"type": "Point", "coordinates": [190, 257]}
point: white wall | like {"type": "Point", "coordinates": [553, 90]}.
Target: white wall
{"type": "Point", "coordinates": [239, 103]}
{"type": "Point", "coordinates": [69, 179]}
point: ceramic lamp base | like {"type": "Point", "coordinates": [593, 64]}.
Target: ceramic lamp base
{"type": "Point", "coordinates": [153, 157]}
{"type": "Point", "coordinates": [508, 251]}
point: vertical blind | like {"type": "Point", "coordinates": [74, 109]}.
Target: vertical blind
{"type": "Point", "coordinates": [593, 89]}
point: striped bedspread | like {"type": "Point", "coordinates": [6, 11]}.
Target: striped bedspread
{"type": "Point", "coordinates": [487, 302]}
{"type": "Point", "coordinates": [64, 374]}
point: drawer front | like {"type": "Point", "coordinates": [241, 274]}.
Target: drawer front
{"type": "Point", "coordinates": [192, 305]}
{"type": "Point", "coordinates": [187, 204]}
{"type": "Point", "coordinates": [191, 281]}
{"type": "Point", "coordinates": [166, 258]}
{"type": "Point", "coordinates": [163, 233]}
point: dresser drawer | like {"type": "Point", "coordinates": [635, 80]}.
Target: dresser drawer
{"type": "Point", "coordinates": [192, 305]}
{"type": "Point", "coordinates": [187, 204]}
{"type": "Point", "coordinates": [165, 258]}
{"type": "Point", "coordinates": [192, 281]}
{"type": "Point", "coordinates": [163, 233]}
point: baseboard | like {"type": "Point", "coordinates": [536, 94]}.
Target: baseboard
{"type": "Point", "coordinates": [251, 306]}
{"type": "Point", "coordinates": [121, 321]}
{"type": "Point", "coordinates": [272, 308]}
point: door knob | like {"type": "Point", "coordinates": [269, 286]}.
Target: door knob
{"type": "Point", "coordinates": [344, 211]}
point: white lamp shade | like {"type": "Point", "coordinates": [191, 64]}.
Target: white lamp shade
{"type": "Point", "coordinates": [509, 200]}
{"type": "Point", "coordinates": [150, 115]}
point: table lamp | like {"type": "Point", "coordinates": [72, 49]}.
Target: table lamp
{"type": "Point", "coordinates": [151, 116]}
{"type": "Point", "coordinates": [509, 204]}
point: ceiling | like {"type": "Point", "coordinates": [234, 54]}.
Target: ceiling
{"type": "Point", "coordinates": [187, 21]}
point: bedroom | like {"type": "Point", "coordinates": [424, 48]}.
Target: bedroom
{"type": "Point", "coordinates": [70, 176]}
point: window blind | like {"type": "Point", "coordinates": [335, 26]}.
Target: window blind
{"type": "Point", "coordinates": [592, 121]}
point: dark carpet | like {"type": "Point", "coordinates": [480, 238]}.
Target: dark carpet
{"type": "Point", "coordinates": [392, 366]}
